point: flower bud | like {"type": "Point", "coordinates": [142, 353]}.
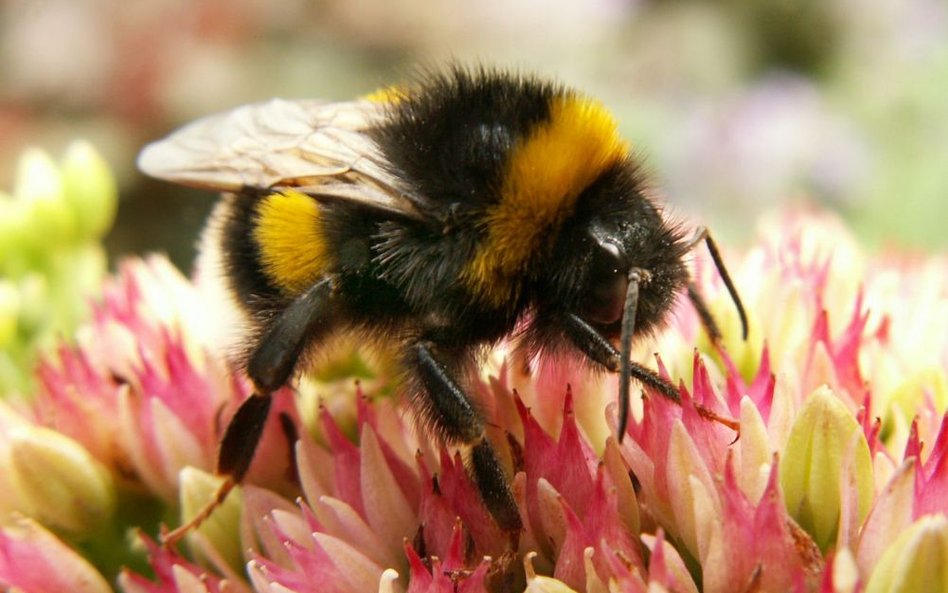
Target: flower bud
{"type": "Point", "coordinates": [33, 559]}
{"type": "Point", "coordinates": [825, 443]}
{"type": "Point", "coordinates": [63, 486]}
{"type": "Point", "coordinates": [39, 184]}
{"type": "Point", "coordinates": [916, 562]}
{"type": "Point", "coordinates": [9, 309]}
{"type": "Point", "coordinates": [90, 190]}
{"type": "Point", "coordinates": [14, 221]}
{"type": "Point", "coordinates": [221, 530]}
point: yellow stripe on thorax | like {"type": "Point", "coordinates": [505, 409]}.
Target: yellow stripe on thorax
{"type": "Point", "coordinates": [545, 174]}
{"type": "Point", "coordinates": [292, 248]}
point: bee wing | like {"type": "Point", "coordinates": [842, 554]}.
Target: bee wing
{"type": "Point", "coordinates": [321, 149]}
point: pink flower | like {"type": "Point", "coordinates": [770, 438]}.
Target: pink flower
{"type": "Point", "coordinates": [174, 574]}
{"type": "Point", "coordinates": [840, 466]}
{"type": "Point", "coordinates": [140, 389]}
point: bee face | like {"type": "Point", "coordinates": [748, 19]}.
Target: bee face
{"type": "Point", "coordinates": [615, 230]}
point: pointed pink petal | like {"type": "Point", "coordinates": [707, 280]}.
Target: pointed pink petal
{"type": "Point", "coordinates": [476, 582]}
{"type": "Point", "coordinates": [33, 559]}
{"type": "Point", "coordinates": [666, 567]}
{"type": "Point", "coordinates": [605, 527]}
{"type": "Point", "coordinates": [435, 514]}
{"type": "Point", "coordinates": [931, 497]}
{"type": "Point", "coordinates": [419, 579]}
{"type": "Point", "coordinates": [569, 562]}
{"type": "Point", "coordinates": [346, 463]}
{"type": "Point", "coordinates": [340, 520]}
{"type": "Point", "coordinates": [465, 502]}
{"type": "Point", "coordinates": [353, 568]}
{"type": "Point", "coordinates": [256, 514]}
{"type": "Point", "coordinates": [386, 508]}
{"type": "Point", "coordinates": [315, 470]}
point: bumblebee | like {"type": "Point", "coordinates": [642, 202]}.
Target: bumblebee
{"type": "Point", "coordinates": [442, 217]}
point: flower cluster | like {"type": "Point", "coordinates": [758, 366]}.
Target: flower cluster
{"type": "Point", "coordinates": [51, 261]}
{"type": "Point", "coordinates": [836, 481]}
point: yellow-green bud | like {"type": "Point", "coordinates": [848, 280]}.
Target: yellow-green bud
{"type": "Point", "coordinates": [917, 560]}
{"type": "Point", "coordinates": [9, 310]}
{"type": "Point", "coordinates": [89, 189]}
{"type": "Point", "coordinates": [824, 436]}
{"type": "Point", "coordinates": [221, 529]}
{"type": "Point", "coordinates": [14, 222]}
{"type": "Point", "coordinates": [63, 486]}
{"type": "Point", "coordinates": [39, 185]}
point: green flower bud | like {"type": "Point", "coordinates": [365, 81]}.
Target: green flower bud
{"type": "Point", "coordinates": [14, 220]}
{"type": "Point", "coordinates": [221, 530]}
{"type": "Point", "coordinates": [916, 562]}
{"type": "Point", "coordinates": [36, 316]}
{"type": "Point", "coordinates": [89, 189]}
{"type": "Point", "coordinates": [39, 184]}
{"type": "Point", "coordinates": [9, 309]}
{"type": "Point", "coordinates": [64, 487]}
{"type": "Point", "coordinates": [73, 276]}
{"type": "Point", "coordinates": [826, 446]}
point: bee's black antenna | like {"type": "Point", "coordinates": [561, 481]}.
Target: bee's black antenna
{"type": "Point", "coordinates": [629, 369]}
{"type": "Point", "coordinates": [702, 234]}
{"type": "Point", "coordinates": [636, 276]}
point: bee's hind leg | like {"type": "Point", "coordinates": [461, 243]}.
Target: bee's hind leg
{"type": "Point", "coordinates": [451, 413]}
{"type": "Point", "coordinates": [271, 366]}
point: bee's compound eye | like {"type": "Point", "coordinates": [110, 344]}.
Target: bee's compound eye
{"type": "Point", "coordinates": [607, 286]}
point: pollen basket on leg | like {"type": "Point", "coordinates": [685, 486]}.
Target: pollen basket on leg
{"type": "Point", "coordinates": [293, 250]}
{"type": "Point", "coordinates": [545, 175]}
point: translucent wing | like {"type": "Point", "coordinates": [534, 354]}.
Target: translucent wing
{"type": "Point", "coordinates": [317, 148]}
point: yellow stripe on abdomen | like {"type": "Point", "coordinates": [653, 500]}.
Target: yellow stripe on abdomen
{"type": "Point", "coordinates": [387, 94]}
{"type": "Point", "coordinates": [293, 250]}
{"type": "Point", "coordinates": [545, 174]}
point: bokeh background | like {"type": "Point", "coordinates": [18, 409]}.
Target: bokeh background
{"type": "Point", "coordinates": [737, 106]}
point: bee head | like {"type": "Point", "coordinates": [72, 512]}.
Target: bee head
{"type": "Point", "coordinates": [616, 238]}
{"type": "Point", "coordinates": [642, 250]}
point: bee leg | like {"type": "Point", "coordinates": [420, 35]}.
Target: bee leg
{"type": "Point", "coordinates": [704, 314]}
{"type": "Point", "coordinates": [494, 487]}
{"type": "Point", "coordinates": [702, 234]}
{"type": "Point", "coordinates": [270, 367]}
{"type": "Point", "coordinates": [453, 415]}
{"type": "Point", "coordinates": [598, 348]}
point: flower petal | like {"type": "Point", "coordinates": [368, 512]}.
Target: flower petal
{"type": "Point", "coordinates": [386, 508]}
{"type": "Point", "coordinates": [916, 561]}
{"type": "Point", "coordinates": [891, 514]}
{"type": "Point", "coordinates": [33, 559]}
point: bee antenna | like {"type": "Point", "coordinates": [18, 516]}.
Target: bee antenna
{"type": "Point", "coordinates": [702, 234]}
{"type": "Point", "coordinates": [625, 346]}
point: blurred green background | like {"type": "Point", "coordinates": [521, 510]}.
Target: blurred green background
{"type": "Point", "coordinates": [737, 106]}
